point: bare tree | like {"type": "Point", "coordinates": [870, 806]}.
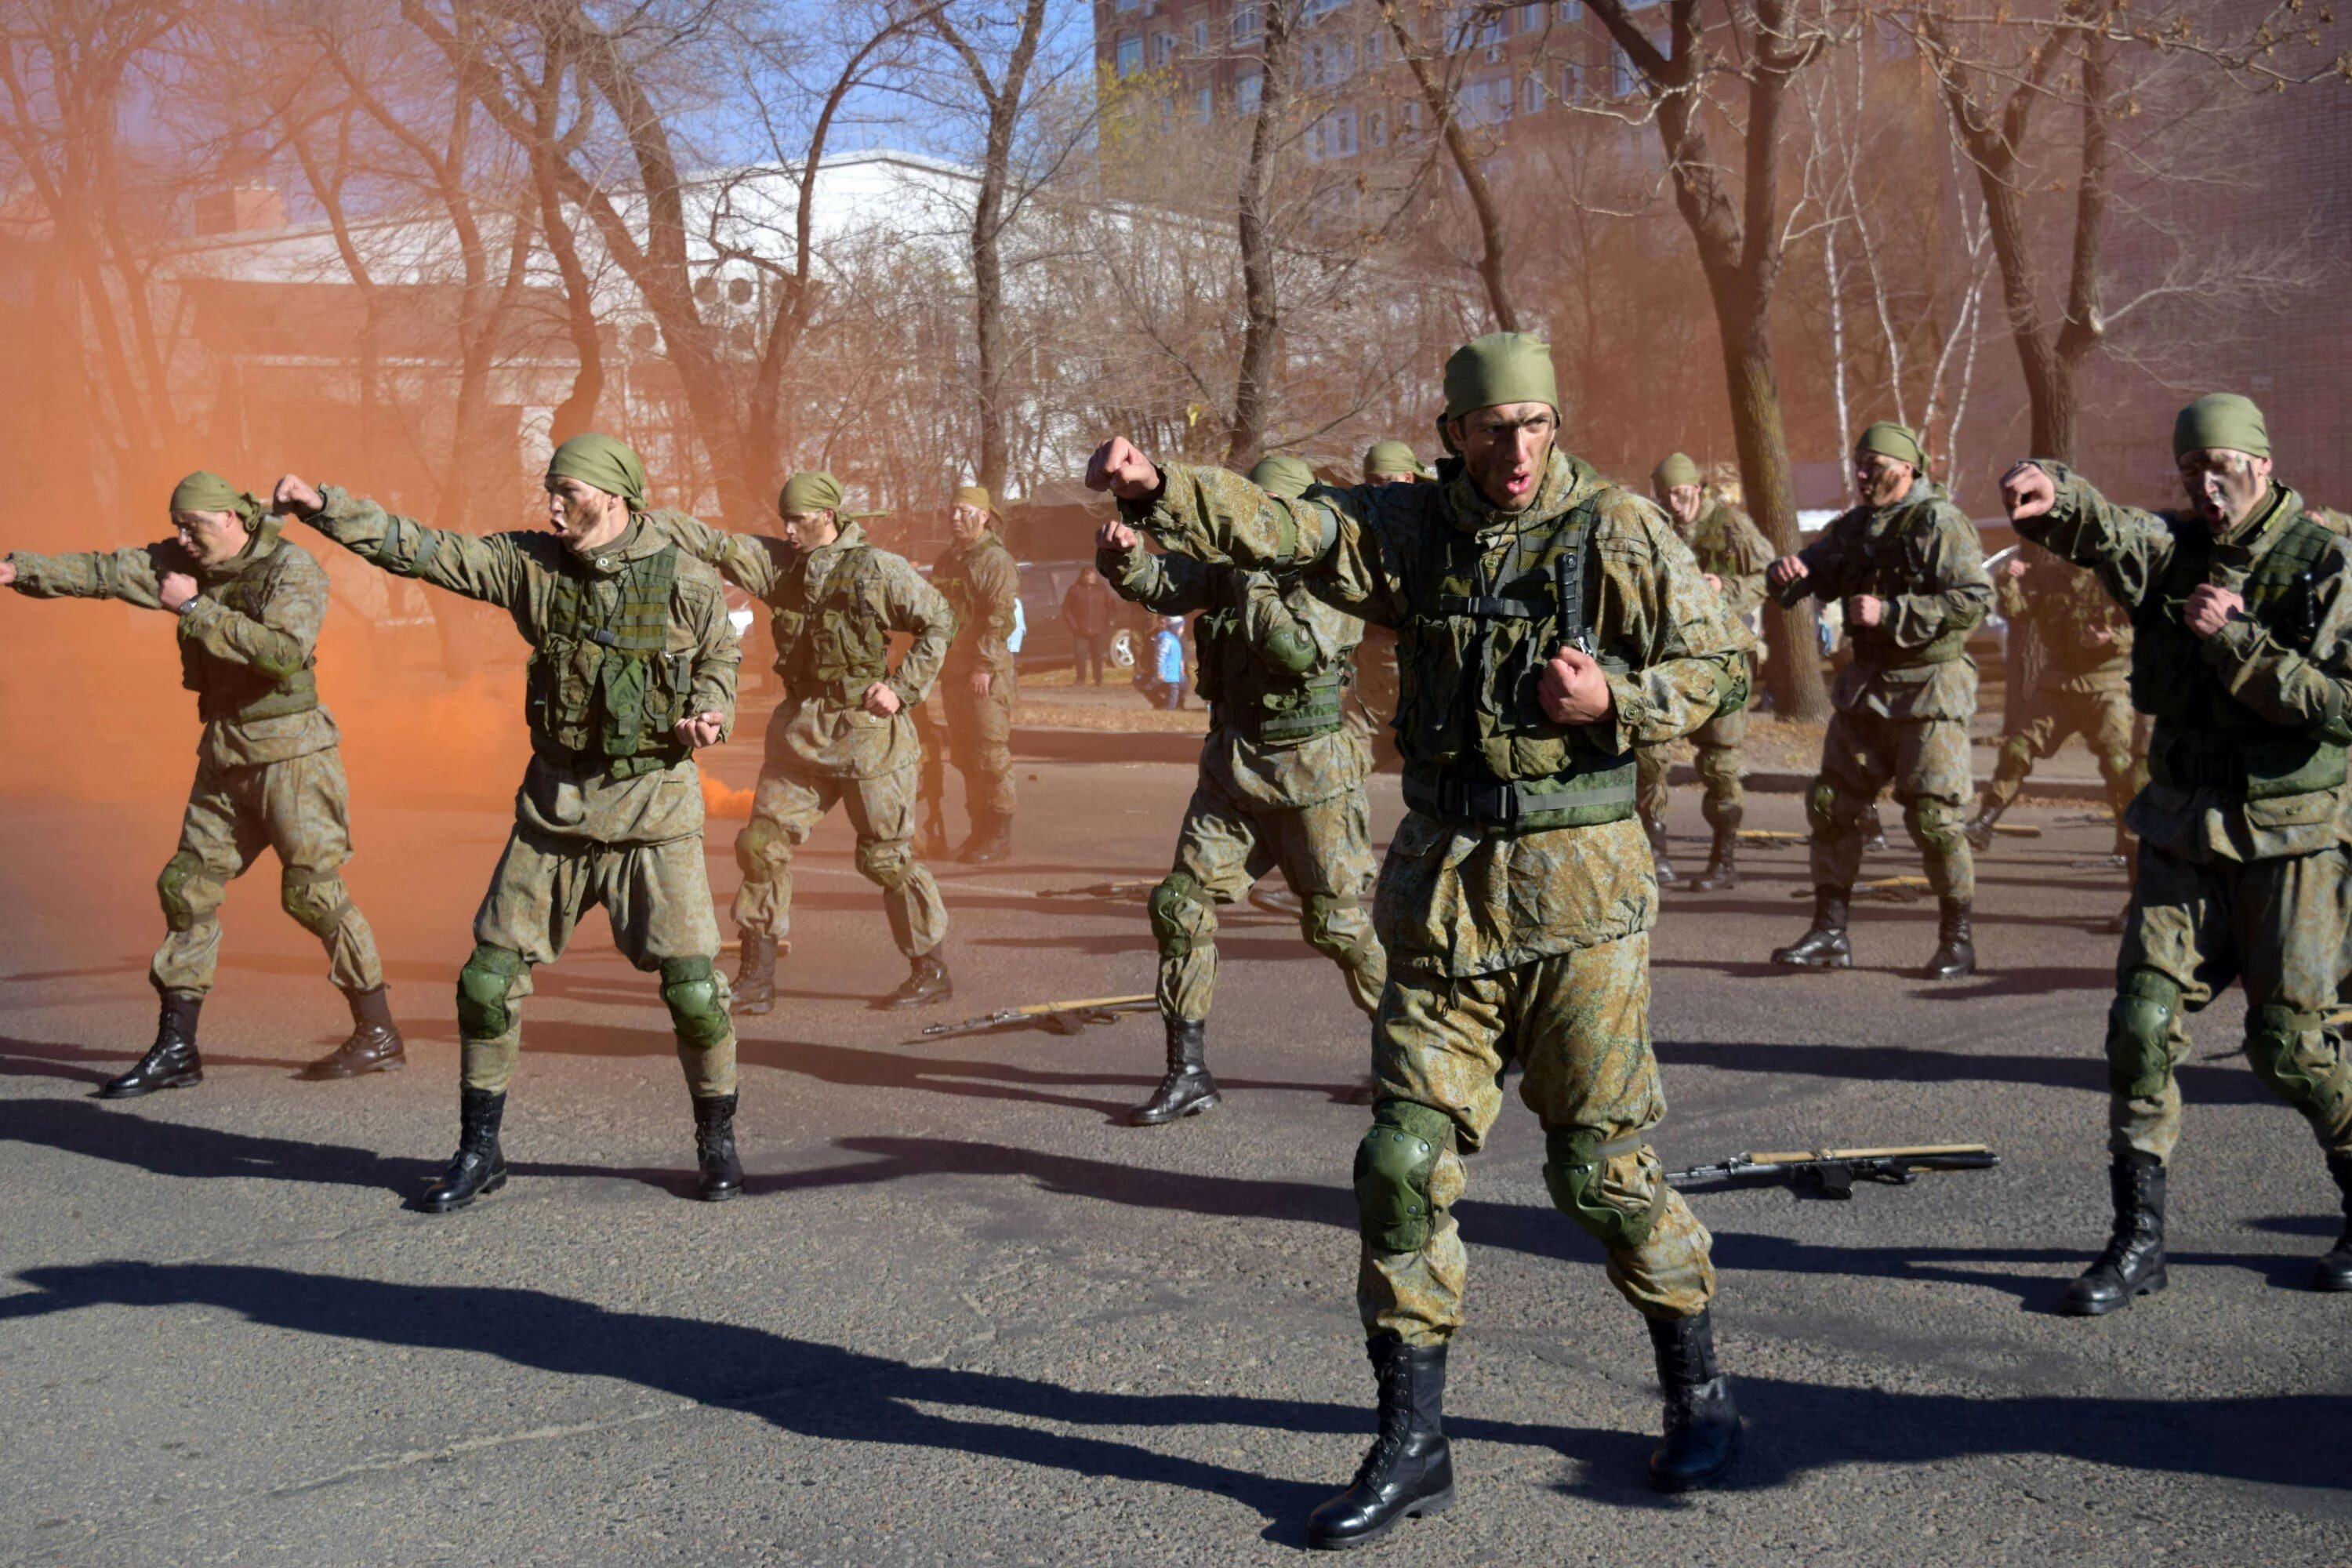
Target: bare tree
{"type": "Point", "coordinates": [1442, 97]}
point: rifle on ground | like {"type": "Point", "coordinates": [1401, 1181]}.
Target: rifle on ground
{"type": "Point", "coordinates": [1831, 1172]}
{"type": "Point", "coordinates": [1055, 1017]}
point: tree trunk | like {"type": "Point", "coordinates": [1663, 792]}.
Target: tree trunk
{"type": "Point", "coordinates": [1253, 389]}
{"type": "Point", "coordinates": [1492, 271]}
{"type": "Point", "coordinates": [1793, 676]}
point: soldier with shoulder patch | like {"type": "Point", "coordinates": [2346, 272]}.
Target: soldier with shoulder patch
{"type": "Point", "coordinates": [2240, 607]}
{"type": "Point", "coordinates": [632, 670]}
{"type": "Point", "coordinates": [1549, 622]}
{"type": "Point", "coordinates": [270, 770]}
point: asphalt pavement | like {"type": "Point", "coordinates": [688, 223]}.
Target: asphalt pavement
{"type": "Point", "coordinates": [963, 1314]}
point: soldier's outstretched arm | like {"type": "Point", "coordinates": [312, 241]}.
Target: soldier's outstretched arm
{"type": "Point", "coordinates": [2303, 684]}
{"type": "Point", "coordinates": [490, 569]}
{"type": "Point", "coordinates": [2056, 508]}
{"type": "Point", "coordinates": [1164, 584]}
{"type": "Point", "coordinates": [1828, 568]}
{"type": "Point", "coordinates": [1216, 515]}
{"type": "Point", "coordinates": [1683, 649]}
{"type": "Point", "coordinates": [912, 604]}
{"type": "Point", "coordinates": [753, 562]}
{"type": "Point", "coordinates": [134, 576]}
{"type": "Point", "coordinates": [1299, 642]}
{"type": "Point", "coordinates": [279, 640]}
{"type": "Point", "coordinates": [716, 655]}
{"type": "Point", "coordinates": [1954, 593]}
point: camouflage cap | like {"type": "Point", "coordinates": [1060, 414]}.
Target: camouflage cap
{"type": "Point", "coordinates": [975, 496]}
{"type": "Point", "coordinates": [1391, 457]}
{"type": "Point", "coordinates": [1499, 368]}
{"type": "Point", "coordinates": [809, 492]}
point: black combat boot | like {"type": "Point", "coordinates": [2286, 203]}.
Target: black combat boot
{"type": "Point", "coordinates": [1955, 944]}
{"type": "Point", "coordinates": [2335, 1270]}
{"type": "Point", "coordinates": [1410, 1470]}
{"type": "Point", "coordinates": [1722, 873]}
{"type": "Point", "coordinates": [714, 1148]}
{"type": "Point", "coordinates": [925, 984]}
{"type": "Point", "coordinates": [1702, 1422]}
{"type": "Point", "coordinates": [171, 1061]}
{"type": "Point", "coordinates": [374, 1045]}
{"type": "Point", "coordinates": [1874, 833]}
{"type": "Point", "coordinates": [1187, 1089]}
{"type": "Point", "coordinates": [991, 840]}
{"type": "Point", "coordinates": [1978, 830]}
{"type": "Point", "coordinates": [1655, 831]}
{"type": "Point", "coordinates": [2133, 1264]}
{"type": "Point", "coordinates": [755, 975]}
{"type": "Point", "coordinates": [479, 1165]}
{"type": "Point", "coordinates": [1826, 945]}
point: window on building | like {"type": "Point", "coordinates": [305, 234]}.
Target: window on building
{"type": "Point", "coordinates": [1376, 127]}
{"type": "Point", "coordinates": [1124, 7]}
{"type": "Point", "coordinates": [1248, 92]}
{"type": "Point", "coordinates": [1409, 117]}
{"type": "Point", "coordinates": [1572, 82]}
{"type": "Point", "coordinates": [1531, 18]}
{"type": "Point", "coordinates": [1201, 37]}
{"type": "Point", "coordinates": [1476, 26]}
{"type": "Point", "coordinates": [1204, 105]}
{"type": "Point", "coordinates": [1314, 11]}
{"type": "Point", "coordinates": [1163, 50]}
{"type": "Point", "coordinates": [1131, 57]}
{"type": "Point", "coordinates": [1531, 96]}
{"type": "Point", "coordinates": [1339, 133]}
{"type": "Point", "coordinates": [1572, 10]}
{"type": "Point", "coordinates": [1486, 101]}
{"type": "Point", "coordinates": [1328, 64]}
{"type": "Point", "coordinates": [1249, 23]}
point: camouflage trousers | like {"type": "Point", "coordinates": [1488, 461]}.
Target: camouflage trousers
{"type": "Point", "coordinates": [976, 734]}
{"type": "Point", "coordinates": [1718, 742]}
{"type": "Point", "coordinates": [1926, 761]}
{"type": "Point", "coordinates": [299, 808]}
{"type": "Point", "coordinates": [1228, 843]}
{"type": "Point", "coordinates": [1578, 1022]}
{"type": "Point", "coordinates": [2104, 720]}
{"type": "Point", "coordinates": [786, 808]}
{"type": "Point", "coordinates": [2275, 926]}
{"type": "Point", "coordinates": [657, 899]}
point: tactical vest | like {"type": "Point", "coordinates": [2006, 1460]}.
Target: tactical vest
{"type": "Point", "coordinates": [1472, 648]}
{"type": "Point", "coordinates": [952, 577]}
{"type": "Point", "coordinates": [829, 648]}
{"type": "Point", "coordinates": [230, 693]}
{"type": "Point", "coordinates": [2203, 735]}
{"type": "Point", "coordinates": [1893, 565]}
{"type": "Point", "coordinates": [1256, 697]}
{"type": "Point", "coordinates": [602, 688]}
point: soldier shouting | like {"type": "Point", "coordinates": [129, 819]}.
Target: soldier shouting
{"type": "Point", "coordinates": [269, 769]}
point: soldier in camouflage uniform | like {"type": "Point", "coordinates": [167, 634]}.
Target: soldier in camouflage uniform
{"type": "Point", "coordinates": [1732, 556]}
{"type": "Point", "coordinates": [1907, 565]}
{"type": "Point", "coordinates": [1282, 782]}
{"type": "Point", "coordinates": [1374, 700]}
{"type": "Point", "coordinates": [2083, 687]}
{"type": "Point", "coordinates": [843, 733]}
{"type": "Point", "coordinates": [269, 772]}
{"type": "Point", "coordinates": [632, 667]}
{"type": "Point", "coordinates": [2242, 651]}
{"type": "Point", "coordinates": [1548, 622]}
{"type": "Point", "coordinates": [977, 690]}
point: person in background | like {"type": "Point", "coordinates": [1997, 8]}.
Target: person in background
{"type": "Point", "coordinates": [1089, 609]}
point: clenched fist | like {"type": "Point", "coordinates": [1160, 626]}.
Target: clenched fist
{"type": "Point", "coordinates": [1116, 536]}
{"type": "Point", "coordinates": [296, 497]}
{"type": "Point", "coordinates": [2027, 492]}
{"type": "Point", "coordinates": [880, 700]}
{"type": "Point", "coordinates": [1573, 690]}
{"type": "Point", "coordinates": [8, 572]}
{"type": "Point", "coordinates": [1787, 570]}
{"type": "Point", "coordinates": [702, 729]}
{"type": "Point", "coordinates": [1119, 467]}
{"type": "Point", "coordinates": [176, 590]}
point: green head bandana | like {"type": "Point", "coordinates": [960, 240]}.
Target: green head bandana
{"type": "Point", "coordinates": [1501, 367]}
{"type": "Point", "coordinates": [2223, 420]}
{"type": "Point", "coordinates": [1285, 477]}
{"type": "Point", "coordinates": [975, 496]}
{"type": "Point", "coordinates": [807, 492]}
{"type": "Point", "coordinates": [1389, 457]}
{"type": "Point", "coordinates": [1677, 469]}
{"type": "Point", "coordinates": [1891, 440]}
{"type": "Point", "coordinates": [605, 462]}
{"type": "Point", "coordinates": [204, 490]}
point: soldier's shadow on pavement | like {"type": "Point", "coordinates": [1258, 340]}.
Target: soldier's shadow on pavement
{"type": "Point", "coordinates": [2201, 1084]}
{"type": "Point", "coordinates": [819, 1391]}
{"type": "Point", "coordinates": [52, 1058]}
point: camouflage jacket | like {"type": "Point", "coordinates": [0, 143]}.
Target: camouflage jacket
{"type": "Point", "coordinates": [1286, 635]}
{"type": "Point", "coordinates": [219, 645]}
{"type": "Point", "coordinates": [1922, 556]}
{"type": "Point", "coordinates": [2303, 684]}
{"type": "Point", "coordinates": [981, 583]}
{"type": "Point", "coordinates": [1727, 544]}
{"type": "Point", "coordinates": [2082, 633]}
{"type": "Point", "coordinates": [1460, 898]}
{"type": "Point", "coordinates": [831, 610]}
{"type": "Point", "coordinates": [522, 573]}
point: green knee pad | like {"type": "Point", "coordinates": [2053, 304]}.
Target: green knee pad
{"type": "Point", "coordinates": [181, 876]}
{"type": "Point", "coordinates": [1821, 806]}
{"type": "Point", "coordinates": [886, 865]}
{"type": "Point", "coordinates": [760, 848]}
{"type": "Point", "coordinates": [1393, 1166]}
{"type": "Point", "coordinates": [1574, 1158]}
{"type": "Point", "coordinates": [318, 900]}
{"type": "Point", "coordinates": [1733, 689]}
{"type": "Point", "coordinates": [2271, 1032]}
{"type": "Point", "coordinates": [697, 1010]}
{"type": "Point", "coordinates": [1317, 911]}
{"type": "Point", "coordinates": [482, 986]}
{"type": "Point", "coordinates": [1182, 914]}
{"type": "Point", "coordinates": [2140, 1035]}
{"type": "Point", "coordinates": [1933, 822]}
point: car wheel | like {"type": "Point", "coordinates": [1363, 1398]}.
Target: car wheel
{"type": "Point", "coordinates": [1122, 650]}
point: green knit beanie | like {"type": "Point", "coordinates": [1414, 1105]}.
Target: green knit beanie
{"type": "Point", "coordinates": [2221, 420]}
{"type": "Point", "coordinates": [1889, 439]}
{"type": "Point", "coordinates": [605, 462]}
{"type": "Point", "coordinates": [1677, 469]}
{"type": "Point", "coordinates": [204, 490]}
{"type": "Point", "coordinates": [1499, 368]}
{"type": "Point", "coordinates": [1285, 477]}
